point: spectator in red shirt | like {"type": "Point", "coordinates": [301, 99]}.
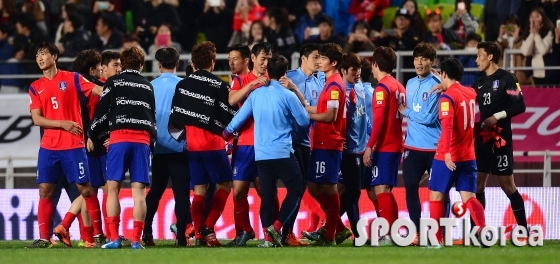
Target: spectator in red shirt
{"type": "Point", "coordinates": [370, 11]}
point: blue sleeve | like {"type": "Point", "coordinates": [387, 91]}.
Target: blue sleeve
{"type": "Point", "coordinates": [369, 125]}
{"type": "Point", "coordinates": [242, 115]}
{"type": "Point", "coordinates": [425, 117]}
{"type": "Point", "coordinates": [296, 109]}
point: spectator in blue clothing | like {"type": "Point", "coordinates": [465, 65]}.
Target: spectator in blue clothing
{"type": "Point", "coordinates": [469, 61]}
{"type": "Point", "coordinates": [308, 22]}
{"type": "Point", "coordinates": [338, 11]}
{"type": "Point", "coordinates": [6, 54]}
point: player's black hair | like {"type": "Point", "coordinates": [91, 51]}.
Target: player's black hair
{"type": "Point", "coordinates": [385, 58]}
{"type": "Point", "coordinates": [366, 70]}
{"type": "Point", "coordinates": [49, 47]}
{"type": "Point", "coordinates": [491, 48]}
{"type": "Point", "coordinates": [424, 50]}
{"type": "Point", "coordinates": [189, 70]}
{"type": "Point", "coordinates": [264, 47]}
{"type": "Point", "coordinates": [348, 60]}
{"type": "Point", "coordinates": [76, 20]}
{"type": "Point", "coordinates": [277, 66]}
{"type": "Point", "coordinates": [453, 68]}
{"type": "Point", "coordinates": [332, 51]}
{"type": "Point", "coordinates": [167, 57]}
{"type": "Point", "coordinates": [108, 56]}
{"type": "Point", "coordinates": [86, 60]}
{"type": "Point", "coordinates": [242, 49]}
{"type": "Point", "coordinates": [307, 49]}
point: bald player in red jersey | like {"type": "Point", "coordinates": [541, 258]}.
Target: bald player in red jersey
{"type": "Point", "coordinates": [327, 145]}
{"type": "Point", "coordinates": [243, 159]}
{"type": "Point", "coordinates": [55, 106]}
{"type": "Point", "coordinates": [455, 161]}
{"type": "Point", "coordinates": [385, 145]}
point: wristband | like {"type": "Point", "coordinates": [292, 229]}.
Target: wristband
{"type": "Point", "coordinates": [500, 115]}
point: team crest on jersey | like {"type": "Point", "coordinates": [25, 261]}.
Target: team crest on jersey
{"type": "Point", "coordinates": [495, 84]}
{"type": "Point", "coordinates": [314, 94]}
{"type": "Point", "coordinates": [425, 96]}
{"type": "Point", "coordinates": [62, 86]}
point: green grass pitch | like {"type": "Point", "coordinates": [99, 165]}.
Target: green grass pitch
{"type": "Point", "coordinates": [165, 252]}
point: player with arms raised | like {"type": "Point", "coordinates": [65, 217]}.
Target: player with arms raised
{"type": "Point", "coordinates": [499, 99]}
{"type": "Point", "coordinates": [454, 161]}
{"type": "Point", "coordinates": [385, 145]}
{"type": "Point", "coordinates": [55, 106]}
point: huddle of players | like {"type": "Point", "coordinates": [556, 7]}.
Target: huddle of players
{"type": "Point", "coordinates": [268, 144]}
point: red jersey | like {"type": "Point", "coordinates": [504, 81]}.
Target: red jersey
{"type": "Point", "coordinates": [330, 136]}
{"type": "Point", "coordinates": [456, 112]}
{"type": "Point", "coordinates": [58, 99]}
{"type": "Point", "coordinates": [247, 131]}
{"type": "Point", "coordinates": [199, 139]}
{"type": "Point", "coordinates": [386, 133]}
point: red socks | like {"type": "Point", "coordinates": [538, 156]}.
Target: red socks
{"type": "Point", "coordinates": [104, 211]}
{"type": "Point", "coordinates": [197, 212]}
{"type": "Point", "coordinates": [88, 234]}
{"type": "Point", "coordinates": [266, 236]}
{"type": "Point", "coordinates": [436, 213]}
{"type": "Point", "coordinates": [44, 215]}
{"type": "Point", "coordinates": [68, 219]}
{"type": "Point", "coordinates": [376, 204]}
{"type": "Point", "coordinates": [82, 227]}
{"type": "Point", "coordinates": [313, 206]}
{"type": "Point", "coordinates": [216, 208]}
{"type": "Point", "coordinates": [241, 215]}
{"type": "Point", "coordinates": [314, 222]}
{"type": "Point", "coordinates": [386, 207]}
{"type": "Point", "coordinates": [137, 232]}
{"type": "Point", "coordinates": [395, 206]}
{"type": "Point", "coordinates": [114, 222]}
{"type": "Point", "coordinates": [477, 212]}
{"type": "Point", "coordinates": [331, 207]}
{"type": "Point", "coordinates": [237, 208]}
{"type": "Point", "coordinates": [92, 205]}
{"type": "Point", "coordinates": [277, 225]}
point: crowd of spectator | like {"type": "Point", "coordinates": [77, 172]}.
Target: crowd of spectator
{"type": "Point", "coordinates": [532, 26]}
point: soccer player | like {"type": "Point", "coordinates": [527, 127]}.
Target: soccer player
{"type": "Point", "coordinates": [170, 157]}
{"type": "Point", "coordinates": [310, 86]}
{"type": "Point", "coordinates": [328, 139]}
{"type": "Point", "coordinates": [239, 57]}
{"type": "Point", "coordinates": [198, 98]}
{"type": "Point", "coordinates": [244, 164]}
{"type": "Point", "coordinates": [423, 130]}
{"type": "Point", "coordinates": [110, 64]}
{"type": "Point", "coordinates": [500, 99]}
{"type": "Point", "coordinates": [88, 64]}
{"type": "Point", "coordinates": [350, 179]}
{"type": "Point", "coordinates": [385, 145]}
{"type": "Point", "coordinates": [274, 108]}
{"type": "Point", "coordinates": [128, 104]}
{"type": "Point", "coordinates": [54, 106]}
{"type": "Point", "coordinates": [454, 161]}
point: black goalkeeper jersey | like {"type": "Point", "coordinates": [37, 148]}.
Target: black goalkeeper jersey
{"type": "Point", "coordinates": [496, 93]}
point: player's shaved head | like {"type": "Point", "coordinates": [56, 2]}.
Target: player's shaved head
{"type": "Point", "coordinates": [132, 58]}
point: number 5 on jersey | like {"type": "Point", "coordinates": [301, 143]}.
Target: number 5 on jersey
{"type": "Point", "coordinates": [54, 102]}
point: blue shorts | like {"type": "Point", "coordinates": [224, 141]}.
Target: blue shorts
{"type": "Point", "coordinates": [384, 168]}
{"type": "Point", "coordinates": [324, 166]}
{"type": "Point", "coordinates": [128, 156]}
{"type": "Point", "coordinates": [97, 169]}
{"type": "Point", "coordinates": [464, 177]}
{"type": "Point", "coordinates": [209, 166]}
{"type": "Point", "coordinates": [52, 164]}
{"type": "Point", "coordinates": [244, 165]}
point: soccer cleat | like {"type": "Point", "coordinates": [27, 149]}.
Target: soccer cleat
{"type": "Point", "coordinates": [148, 240]}
{"type": "Point", "coordinates": [342, 235]}
{"type": "Point", "coordinates": [200, 242]}
{"type": "Point", "coordinates": [416, 240]}
{"type": "Point", "coordinates": [40, 243]}
{"type": "Point", "coordinates": [386, 241]}
{"type": "Point", "coordinates": [53, 241]}
{"type": "Point", "coordinates": [81, 243]}
{"type": "Point", "coordinates": [315, 236]}
{"type": "Point", "coordinates": [276, 237]}
{"type": "Point", "coordinates": [232, 243]}
{"type": "Point", "coordinates": [266, 244]}
{"type": "Point", "coordinates": [173, 229]}
{"type": "Point", "coordinates": [112, 244]}
{"type": "Point", "coordinates": [100, 240]}
{"type": "Point", "coordinates": [63, 235]}
{"type": "Point", "coordinates": [436, 246]}
{"type": "Point", "coordinates": [125, 242]}
{"type": "Point", "coordinates": [209, 236]}
{"type": "Point", "coordinates": [190, 230]}
{"type": "Point", "coordinates": [324, 243]}
{"type": "Point", "coordinates": [293, 241]}
{"type": "Point", "coordinates": [89, 244]}
{"type": "Point", "coordinates": [242, 241]}
{"type": "Point", "coordinates": [458, 242]}
{"type": "Point", "coordinates": [137, 245]}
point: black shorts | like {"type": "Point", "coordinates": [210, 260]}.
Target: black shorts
{"type": "Point", "coordinates": [493, 160]}
{"type": "Point", "coordinates": [415, 164]}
